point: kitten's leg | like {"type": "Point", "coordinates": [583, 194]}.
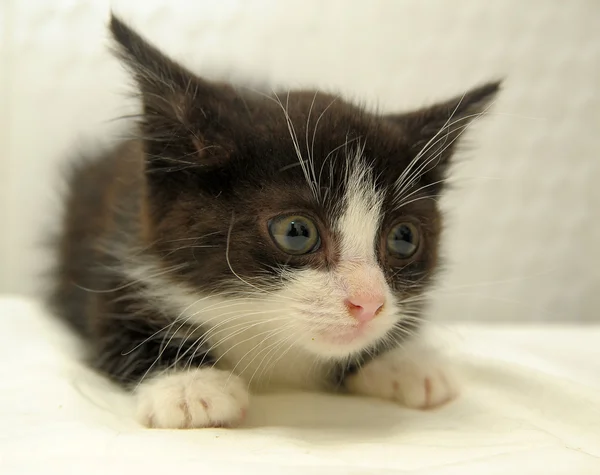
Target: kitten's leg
{"type": "Point", "coordinates": [174, 382]}
{"type": "Point", "coordinates": [414, 376]}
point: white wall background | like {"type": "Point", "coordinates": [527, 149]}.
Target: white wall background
{"type": "Point", "coordinates": [524, 234]}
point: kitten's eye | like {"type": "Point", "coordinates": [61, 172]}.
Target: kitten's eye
{"type": "Point", "coordinates": [403, 240]}
{"type": "Point", "coordinates": [295, 235]}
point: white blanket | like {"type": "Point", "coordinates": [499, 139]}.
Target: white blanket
{"type": "Point", "coordinates": [530, 405]}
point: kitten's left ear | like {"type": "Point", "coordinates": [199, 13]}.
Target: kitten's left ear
{"type": "Point", "coordinates": [434, 131]}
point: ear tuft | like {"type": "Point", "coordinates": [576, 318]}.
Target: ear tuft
{"type": "Point", "coordinates": [450, 117]}
{"type": "Point", "coordinates": [476, 100]}
{"type": "Point", "coordinates": [151, 69]}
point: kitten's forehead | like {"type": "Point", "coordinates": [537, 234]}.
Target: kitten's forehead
{"type": "Point", "coordinates": [358, 224]}
{"type": "Point", "coordinates": [332, 153]}
{"type": "Point", "coordinates": [321, 134]}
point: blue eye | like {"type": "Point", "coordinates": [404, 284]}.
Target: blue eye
{"type": "Point", "coordinates": [403, 240]}
{"type": "Point", "coordinates": [296, 235]}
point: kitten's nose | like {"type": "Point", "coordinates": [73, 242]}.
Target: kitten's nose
{"type": "Point", "coordinates": [364, 308]}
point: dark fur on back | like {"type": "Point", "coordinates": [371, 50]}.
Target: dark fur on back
{"type": "Point", "coordinates": [212, 165]}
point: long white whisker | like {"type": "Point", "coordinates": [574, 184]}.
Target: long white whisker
{"type": "Point", "coordinates": [407, 181]}
{"type": "Point", "coordinates": [311, 158]}
{"type": "Point", "coordinates": [274, 332]}
{"type": "Point", "coordinates": [404, 182]}
{"type": "Point", "coordinates": [227, 255]}
{"type": "Point", "coordinates": [273, 351]}
{"type": "Point", "coordinates": [266, 332]}
{"type": "Point", "coordinates": [407, 170]}
{"type": "Point", "coordinates": [303, 164]}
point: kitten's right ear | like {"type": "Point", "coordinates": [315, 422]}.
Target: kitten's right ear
{"type": "Point", "coordinates": [181, 111]}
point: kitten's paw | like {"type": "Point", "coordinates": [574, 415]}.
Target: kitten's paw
{"type": "Point", "coordinates": [418, 381]}
{"type": "Point", "coordinates": [204, 397]}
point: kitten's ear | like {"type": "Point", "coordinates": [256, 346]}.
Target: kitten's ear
{"type": "Point", "coordinates": [434, 131]}
{"type": "Point", "coordinates": [181, 111]}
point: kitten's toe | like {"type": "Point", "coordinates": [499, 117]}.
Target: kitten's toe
{"type": "Point", "coordinates": [415, 381]}
{"type": "Point", "coordinates": [204, 397]}
{"type": "Point", "coordinates": [426, 388]}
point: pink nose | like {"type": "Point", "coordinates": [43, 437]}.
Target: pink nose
{"type": "Point", "coordinates": [364, 309]}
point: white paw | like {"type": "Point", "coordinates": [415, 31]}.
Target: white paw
{"type": "Point", "coordinates": [417, 380]}
{"type": "Point", "coordinates": [204, 397]}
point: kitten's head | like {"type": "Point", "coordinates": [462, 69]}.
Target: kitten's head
{"type": "Point", "coordinates": [316, 218]}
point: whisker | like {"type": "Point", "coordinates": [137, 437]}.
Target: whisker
{"type": "Point", "coordinates": [407, 170]}
{"type": "Point", "coordinates": [419, 172]}
{"type": "Point", "coordinates": [167, 270]}
{"type": "Point", "coordinates": [273, 333]}
{"type": "Point", "coordinates": [295, 143]}
{"type": "Point", "coordinates": [267, 332]}
{"type": "Point", "coordinates": [273, 351]}
{"type": "Point", "coordinates": [227, 255]}
{"type": "Point", "coordinates": [312, 146]}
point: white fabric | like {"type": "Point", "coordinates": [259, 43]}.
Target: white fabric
{"type": "Point", "coordinates": [531, 404]}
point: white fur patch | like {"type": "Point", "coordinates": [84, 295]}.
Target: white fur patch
{"type": "Point", "coordinates": [252, 336]}
{"type": "Point", "coordinates": [204, 397]}
{"type": "Point", "coordinates": [359, 223]}
{"type": "Point", "coordinates": [322, 295]}
{"type": "Point", "coordinates": [413, 376]}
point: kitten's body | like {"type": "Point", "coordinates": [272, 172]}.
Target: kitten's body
{"type": "Point", "coordinates": [169, 267]}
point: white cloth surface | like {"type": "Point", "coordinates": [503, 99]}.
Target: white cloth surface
{"type": "Point", "coordinates": [530, 405]}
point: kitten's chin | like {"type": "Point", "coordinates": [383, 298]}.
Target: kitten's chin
{"type": "Point", "coordinates": [343, 342]}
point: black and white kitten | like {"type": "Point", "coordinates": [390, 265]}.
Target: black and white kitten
{"type": "Point", "coordinates": [252, 241]}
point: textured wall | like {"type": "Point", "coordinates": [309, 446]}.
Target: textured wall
{"type": "Point", "coordinates": [523, 232]}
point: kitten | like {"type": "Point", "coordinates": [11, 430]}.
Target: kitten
{"type": "Point", "coordinates": [257, 241]}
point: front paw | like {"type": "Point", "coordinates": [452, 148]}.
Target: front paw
{"type": "Point", "coordinates": [418, 380]}
{"type": "Point", "coordinates": [204, 397]}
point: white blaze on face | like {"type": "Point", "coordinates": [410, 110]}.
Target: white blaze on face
{"type": "Point", "coordinates": [348, 307]}
{"type": "Point", "coordinates": [357, 230]}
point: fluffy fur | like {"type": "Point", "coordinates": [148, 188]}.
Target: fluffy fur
{"type": "Point", "coordinates": [166, 265]}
